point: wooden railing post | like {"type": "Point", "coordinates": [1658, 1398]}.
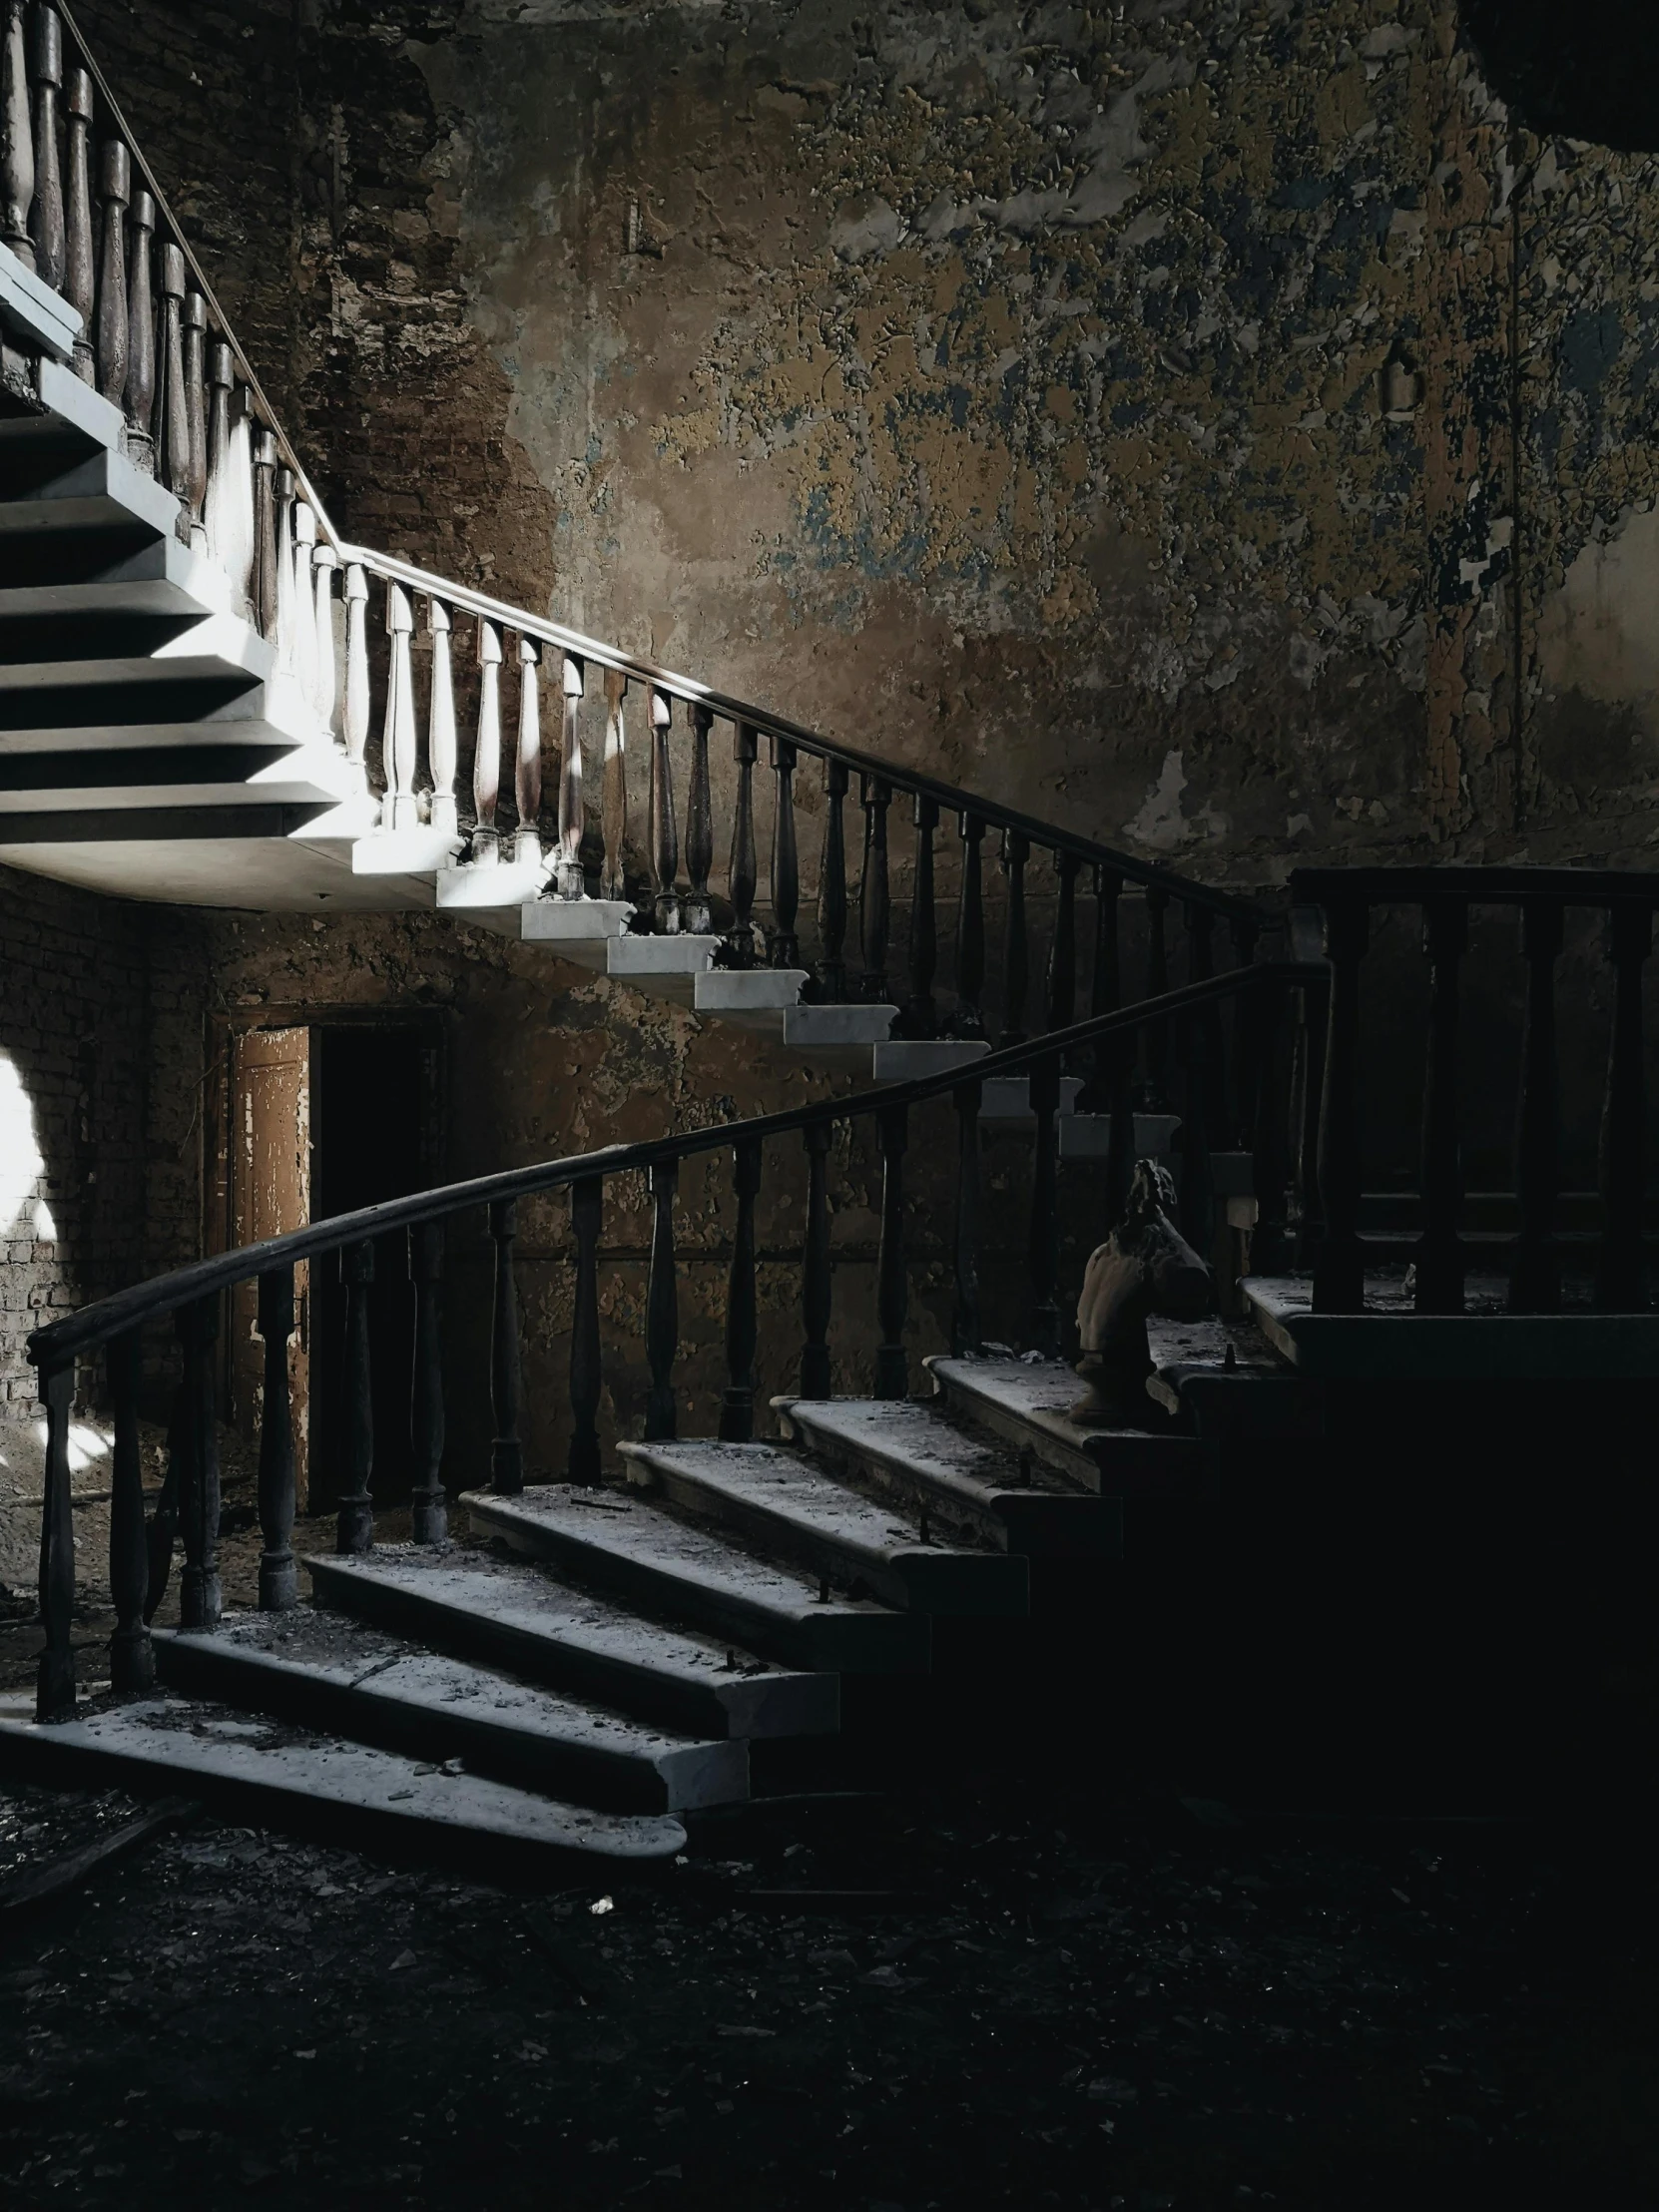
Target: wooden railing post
{"type": "Point", "coordinates": [785, 863]}
{"type": "Point", "coordinates": [1339, 1268]}
{"type": "Point", "coordinates": [527, 790]}
{"type": "Point", "coordinates": [815, 1280]}
{"type": "Point", "coordinates": [1198, 1180]}
{"type": "Point", "coordinates": [665, 833]}
{"type": "Point", "coordinates": [1016, 954]}
{"type": "Point", "coordinates": [700, 827]}
{"type": "Point", "coordinates": [17, 153]}
{"type": "Point", "coordinates": [965, 1331]}
{"type": "Point", "coordinates": [354, 1524]}
{"type": "Point", "coordinates": [1536, 1273]}
{"type": "Point", "coordinates": [662, 1308]}
{"type": "Point", "coordinates": [79, 257]}
{"type": "Point", "coordinates": [1245, 933]}
{"type": "Point", "coordinates": [428, 1512]}
{"type": "Point", "coordinates": [55, 1672]}
{"type": "Point", "coordinates": [1043, 1249]}
{"type": "Point", "coordinates": [132, 1661]}
{"type": "Point", "coordinates": [892, 1271]}
{"type": "Point", "coordinates": [830, 971]}
{"type": "Point", "coordinates": [486, 757]}
{"type": "Point", "coordinates": [1272, 1134]}
{"type": "Point", "coordinates": [219, 506]}
{"type": "Point", "coordinates": [196, 425]}
{"type": "Point", "coordinates": [46, 218]}
{"type": "Point", "coordinates": [279, 1575]}
{"type": "Point", "coordinates": [442, 744]}
{"type": "Point", "coordinates": [967, 1018]}
{"type": "Point", "coordinates": [875, 892]}
{"type": "Point", "coordinates": [587, 1215]}
{"type": "Point", "coordinates": [171, 416]}
{"type": "Point", "coordinates": [1155, 1086]}
{"type": "Point", "coordinates": [506, 1451]}
{"type": "Point", "coordinates": [1438, 1256]}
{"type": "Point", "coordinates": [113, 191]}
{"type": "Point", "coordinates": [200, 1598]}
{"type": "Point", "coordinates": [569, 879]}
{"type": "Point", "coordinates": [140, 397]}
{"type": "Point", "coordinates": [920, 1018]}
{"type": "Point", "coordinates": [613, 879]}
{"type": "Point", "coordinates": [743, 877]}
{"type": "Point", "coordinates": [1621, 1270]}
{"type": "Point", "coordinates": [1061, 1010]}
{"type": "Point", "coordinates": [1109, 1085]}
{"type": "Point", "coordinates": [737, 1408]}
{"type": "Point", "coordinates": [266, 583]}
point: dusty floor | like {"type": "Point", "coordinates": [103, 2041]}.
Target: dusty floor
{"type": "Point", "coordinates": [1087, 2004]}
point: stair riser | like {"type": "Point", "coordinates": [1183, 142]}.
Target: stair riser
{"type": "Point", "coordinates": [1110, 1465]}
{"type": "Point", "coordinates": [672, 1782]}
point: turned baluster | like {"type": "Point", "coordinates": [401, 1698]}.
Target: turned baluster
{"type": "Point", "coordinates": [965, 1331]}
{"type": "Point", "coordinates": [1245, 931]}
{"type": "Point", "coordinates": [1061, 1010]}
{"type": "Point", "coordinates": [786, 862]}
{"type": "Point", "coordinates": [1621, 1270]}
{"type": "Point", "coordinates": [1339, 1268]}
{"type": "Point", "coordinates": [614, 792]}
{"type": "Point", "coordinates": [736, 1405]}
{"type": "Point", "coordinates": [486, 757]}
{"type": "Point", "coordinates": [356, 672]}
{"type": "Point", "coordinates": [920, 1018]}
{"type": "Point", "coordinates": [587, 1213]}
{"type": "Point", "coordinates": [829, 972]}
{"type": "Point", "coordinates": [354, 1524]}
{"type": "Point", "coordinates": [891, 1275]}
{"type": "Point", "coordinates": [442, 744]}
{"type": "Point", "coordinates": [1536, 1273]}
{"type": "Point", "coordinates": [700, 827]}
{"type": "Point", "coordinates": [744, 873]}
{"type": "Point", "coordinates": [1440, 1252]}
{"type": "Point", "coordinates": [1110, 1088]}
{"type": "Point", "coordinates": [1043, 1244]}
{"type": "Point", "coordinates": [325, 673]}
{"type": "Point", "coordinates": [569, 881]}
{"type": "Point", "coordinates": [171, 416]}
{"type": "Point", "coordinates": [968, 1016]}
{"type": "Point", "coordinates": [80, 262]}
{"type": "Point", "coordinates": [506, 1451]}
{"type": "Point", "coordinates": [428, 1512]}
{"type": "Point", "coordinates": [17, 153]}
{"type": "Point", "coordinates": [303, 602]}
{"type": "Point", "coordinates": [1198, 1184]}
{"type": "Point", "coordinates": [1307, 1097]}
{"type": "Point", "coordinates": [665, 834]}
{"type": "Point", "coordinates": [1016, 957]}
{"type": "Point", "coordinates": [816, 1289]}
{"type": "Point", "coordinates": [662, 1308]}
{"type": "Point", "coordinates": [196, 419]}
{"type": "Point", "coordinates": [115, 186]}
{"type": "Point", "coordinates": [279, 1575]}
{"type": "Point", "coordinates": [527, 781]}
{"type": "Point", "coordinates": [218, 507]}
{"type": "Point", "coordinates": [1271, 1136]}
{"type": "Point", "coordinates": [199, 1597]}
{"type": "Point", "coordinates": [240, 522]}
{"type": "Point", "coordinates": [875, 892]}
{"type": "Point", "coordinates": [398, 742]}
{"type": "Point", "coordinates": [46, 218]}
{"type": "Point", "coordinates": [1201, 966]}
{"type": "Point", "coordinates": [55, 1671]}
{"type": "Point", "coordinates": [1155, 1086]}
{"type": "Point", "coordinates": [285, 501]}
{"type": "Point", "coordinates": [265, 564]}
{"type": "Point", "coordinates": [132, 1661]}
{"type": "Point", "coordinates": [140, 399]}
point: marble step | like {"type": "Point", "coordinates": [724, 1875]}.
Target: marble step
{"type": "Point", "coordinates": [329, 1671]}
{"type": "Point", "coordinates": [514, 1614]}
{"type": "Point", "coordinates": [1025, 1402]}
{"type": "Point", "coordinates": [912, 1456]}
{"type": "Point", "coordinates": [680, 1572]}
{"type": "Point", "coordinates": [797, 1512]}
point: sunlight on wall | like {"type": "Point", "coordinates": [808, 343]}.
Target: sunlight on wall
{"type": "Point", "coordinates": [21, 1164]}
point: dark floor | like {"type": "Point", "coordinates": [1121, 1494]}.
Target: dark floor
{"type": "Point", "coordinates": [1127, 2002]}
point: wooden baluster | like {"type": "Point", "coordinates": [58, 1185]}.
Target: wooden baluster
{"type": "Point", "coordinates": [1198, 1178]}
{"type": "Point", "coordinates": [442, 742]}
{"type": "Point", "coordinates": [302, 603]}
{"type": "Point", "coordinates": [428, 1512]}
{"type": "Point", "coordinates": [217, 508]}
{"type": "Point", "coordinates": [1061, 1010]}
{"type": "Point", "coordinates": [279, 1575]}
{"type": "Point", "coordinates": [1110, 1088]}
{"type": "Point", "coordinates": [570, 881]}
{"type": "Point", "coordinates": [920, 1017]}
{"type": "Point", "coordinates": [171, 420]}
{"type": "Point", "coordinates": [355, 1525]}
{"type": "Point", "coordinates": [506, 1451]}
{"type": "Point", "coordinates": [115, 186]}
{"type": "Point", "coordinates": [140, 399]}
{"type": "Point", "coordinates": [46, 219]}
{"type": "Point", "coordinates": [1621, 1268]}
{"type": "Point", "coordinates": [1439, 1252]}
{"type": "Point", "coordinates": [966, 1332]}
{"type": "Point", "coordinates": [1307, 1097]}
{"type": "Point", "coordinates": [1245, 931]}
{"type": "Point", "coordinates": [1043, 1246]}
{"type": "Point", "coordinates": [785, 860]}
{"type": "Point", "coordinates": [700, 827]}
{"type": "Point", "coordinates": [80, 270]}
{"type": "Point", "coordinates": [199, 1597]}
{"type": "Point", "coordinates": [196, 420]}
{"type": "Point", "coordinates": [241, 503]}
{"type": "Point", "coordinates": [816, 1294]}
{"type": "Point", "coordinates": [829, 972]}
{"type": "Point", "coordinates": [662, 1308]}
{"type": "Point", "coordinates": [398, 742]}
{"type": "Point", "coordinates": [587, 1215]}
{"type": "Point", "coordinates": [736, 1405]}
{"type": "Point", "coordinates": [17, 153]}
{"type": "Point", "coordinates": [265, 564]}
{"type": "Point", "coordinates": [614, 796]}
{"type": "Point", "coordinates": [893, 1282]}
{"type": "Point", "coordinates": [1154, 1087]}
{"type": "Point", "coordinates": [356, 672]}
{"type": "Point", "coordinates": [1270, 1240]}
{"type": "Point", "coordinates": [527, 782]}
{"type": "Point", "coordinates": [486, 757]}
{"type": "Point", "coordinates": [875, 892]}
{"type": "Point", "coordinates": [132, 1661]}
{"type": "Point", "coordinates": [285, 499]}
{"type": "Point", "coordinates": [967, 1019]}
{"type": "Point", "coordinates": [55, 1673]}
{"type": "Point", "coordinates": [326, 685]}
{"type": "Point", "coordinates": [1536, 1272]}
{"type": "Point", "coordinates": [1016, 958]}
{"type": "Point", "coordinates": [744, 874]}
{"type": "Point", "coordinates": [665, 834]}
{"type": "Point", "coordinates": [1340, 1268]}
{"type": "Point", "coordinates": [1201, 966]}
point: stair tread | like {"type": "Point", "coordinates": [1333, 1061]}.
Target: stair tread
{"type": "Point", "coordinates": [972, 1467]}
{"type": "Point", "coordinates": [184, 1739]}
{"type": "Point", "coordinates": [1026, 1400]}
{"type": "Point", "coordinates": [793, 1485]}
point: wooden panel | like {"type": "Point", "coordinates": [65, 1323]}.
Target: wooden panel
{"type": "Point", "coordinates": [270, 1194]}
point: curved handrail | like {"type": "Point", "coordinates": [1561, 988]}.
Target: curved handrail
{"type": "Point", "coordinates": [55, 1347]}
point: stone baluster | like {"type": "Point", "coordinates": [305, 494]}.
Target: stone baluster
{"type": "Point", "coordinates": [891, 1274]}
{"type": "Point", "coordinates": [700, 827]}
{"type": "Point", "coordinates": [569, 879]}
{"type": "Point", "coordinates": [920, 1018]}
{"type": "Point", "coordinates": [356, 717]}
{"type": "Point", "coordinates": [55, 1669]}
{"type": "Point", "coordinates": [614, 792]}
{"type": "Point", "coordinates": [830, 971]}
{"type": "Point", "coordinates": [113, 191]}
{"type": "Point", "coordinates": [665, 833]}
{"type": "Point", "coordinates": [355, 1527]}
{"type": "Point", "coordinates": [442, 744]}
{"type": "Point", "coordinates": [132, 1660]}
{"type": "Point", "coordinates": [171, 416]}
{"type": "Point", "coordinates": [241, 503]}
{"type": "Point", "coordinates": [1535, 1271]}
{"type": "Point", "coordinates": [302, 601]}
{"type": "Point", "coordinates": [17, 153]}
{"type": "Point", "coordinates": [199, 1597]}
{"type": "Point", "coordinates": [506, 1388]}
{"type": "Point", "coordinates": [587, 1218]}
{"type": "Point", "coordinates": [285, 502]}
{"type": "Point", "coordinates": [816, 1277]}
{"type": "Point", "coordinates": [1439, 1257]}
{"type": "Point", "coordinates": [218, 505]}
{"type": "Point", "coordinates": [965, 1331]}
{"type": "Point", "coordinates": [743, 877]}
{"type": "Point", "coordinates": [196, 418]}
{"type": "Point", "coordinates": [400, 744]}
{"type": "Point", "coordinates": [46, 218]}
{"type": "Point", "coordinates": [527, 789]}
{"type": "Point", "coordinates": [662, 1308]}
{"type": "Point", "coordinates": [486, 757]}
{"type": "Point", "coordinates": [428, 1512]}
{"type": "Point", "coordinates": [279, 1574]}
{"type": "Point", "coordinates": [1339, 1270]}
{"type": "Point", "coordinates": [785, 860]}
{"type": "Point", "coordinates": [325, 668]}
{"type": "Point", "coordinates": [967, 1018]}
{"type": "Point", "coordinates": [1621, 1268]}
{"type": "Point", "coordinates": [1016, 954]}
{"type": "Point", "coordinates": [265, 565]}
{"type": "Point", "coordinates": [875, 892]}
{"type": "Point", "coordinates": [80, 258]}
{"type": "Point", "coordinates": [736, 1405]}
{"type": "Point", "coordinates": [139, 398]}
